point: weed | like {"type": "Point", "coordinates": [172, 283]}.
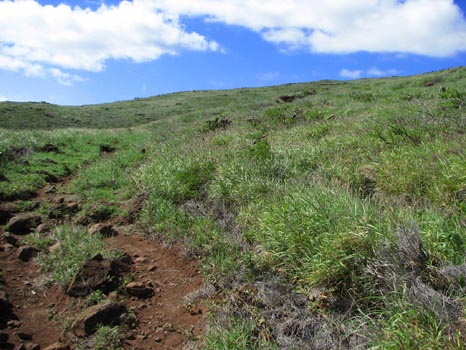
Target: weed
{"type": "Point", "coordinates": [76, 245]}
{"type": "Point", "coordinates": [96, 297]}
{"type": "Point", "coordinates": [107, 338]}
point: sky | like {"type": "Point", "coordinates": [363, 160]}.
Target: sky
{"type": "Point", "coordinates": [75, 52]}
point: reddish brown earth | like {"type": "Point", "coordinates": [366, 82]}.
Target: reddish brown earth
{"type": "Point", "coordinates": [165, 320]}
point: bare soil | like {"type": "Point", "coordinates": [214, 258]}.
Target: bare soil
{"type": "Point", "coordinates": [43, 314]}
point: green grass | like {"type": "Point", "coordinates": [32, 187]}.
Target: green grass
{"type": "Point", "coordinates": [76, 245]}
{"type": "Point", "coordinates": [315, 191]}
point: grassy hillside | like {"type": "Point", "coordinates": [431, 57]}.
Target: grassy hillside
{"type": "Point", "coordinates": [331, 215]}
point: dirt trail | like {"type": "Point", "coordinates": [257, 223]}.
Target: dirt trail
{"type": "Point", "coordinates": [41, 316]}
{"type": "Point", "coordinates": [166, 320]}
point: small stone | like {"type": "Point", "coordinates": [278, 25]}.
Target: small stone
{"type": "Point", "coordinates": [44, 227]}
{"type": "Point", "coordinates": [140, 260]}
{"type": "Point", "coordinates": [31, 346]}
{"type": "Point", "coordinates": [7, 247]}
{"type": "Point", "coordinates": [54, 247]}
{"type": "Point", "coordinates": [24, 336]}
{"type": "Point", "coordinates": [158, 339]}
{"type": "Point", "coordinates": [49, 189]}
{"type": "Point", "coordinates": [58, 346]}
{"type": "Point", "coordinates": [139, 290]}
{"type": "Point", "coordinates": [130, 336]}
{"type": "Point", "coordinates": [26, 253]}
{"type": "Point", "coordinates": [50, 148]}
{"type": "Point", "coordinates": [152, 267]}
{"type": "Point", "coordinates": [106, 230]}
{"type": "Point", "coordinates": [14, 324]}
{"type": "Point", "coordinates": [24, 223]}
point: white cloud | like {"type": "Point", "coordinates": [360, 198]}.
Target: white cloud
{"type": "Point", "coordinates": [351, 74]}
{"type": "Point", "coordinates": [3, 99]}
{"type": "Point", "coordinates": [375, 72]}
{"type": "Point", "coordinates": [426, 27]}
{"type": "Point", "coordinates": [39, 40]}
{"type": "Point", "coordinates": [35, 38]}
{"type": "Point", "coordinates": [371, 72]}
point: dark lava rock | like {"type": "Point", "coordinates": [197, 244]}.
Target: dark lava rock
{"type": "Point", "coordinates": [106, 314]}
{"type": "Point", "coordinates": [95, 274]}
{"type": "Point", "coordinates": [23, 223]}
{"type": "Point", "coordinates": [107, 149]}
{"type": "Point", "coordinates": [10, 238]}
{"type": "Point", "coordinates": [3, 338]}
{"type": "Point", "coordinates": [6, 212]}
{"type": "Point", "coordinates": [50, 148]}
{"type": "Point", "coordinates": [5, 309]}
{"type": "Point", "coordinates": [26, 253]}
{"type": "Point", "coordinates": [122, 263]}
{"type": "Point", "coordinates": [24, 336]}
{"type": "Point", "coordinates": [106, 230]}
{"type": "Point", "coordinates": [58, 211]}
{"type": "Point", "coordinates": [139, 290]}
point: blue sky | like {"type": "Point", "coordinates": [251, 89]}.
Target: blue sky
{"type": "Point", "coordinates": [85, 52]}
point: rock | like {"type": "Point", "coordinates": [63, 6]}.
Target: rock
{"type": "Point", "coordinates": [50, 148]}
{"type": "Point", "coordinates": [106, 314]}
{"type": "Point", "coordinates": [152, 267]}
{"type": "Point", "coordinates": [31, 346]}
{"type": "Point", "coordinates": [5, 310]}
{"type": "Point", "coordinates": [23, 223]}
{"type": "Point", "coordinates": [94, 275]}
{"type": "Point", "coordinates": [58, 346]}
{"type": "Point", "coordinates": [26, 253]}
{"type": "Point", "coordinates": [59, 210]}
{"type": "Point", "coordinates": [54, 247]}
{"type": "Point", "coordinates": [107, 149]}
{"type": "Point", "coordinates": [44, 227]}
{"type": "Point", "coordinates": [140, 260]}
{"type": "Point", "coordinates": [287, 98]}
{"type": "Point", "coordinates": [139, 290]}
{"type": "Point", "coordinates": [122, 263]}
{"type": "Point", "coordinates": [106, 230]}
{"type": "Point", "coordinates": [7, 247]}
{"type": "Point", "coordinates": [13, 324]}
{"type": "Point", "coordinates": [3, 338]}
{"type": "Point", "coordinates": [6, 212]}
{"type": "Point", "coordinates": [10, 238]}
{"type": "Point", "coordinates": [50, 189]}
{"type": "Point", "coordinates": [24, 336]}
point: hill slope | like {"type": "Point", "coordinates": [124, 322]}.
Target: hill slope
{"type": "Point", "coordinates": [332, 214]}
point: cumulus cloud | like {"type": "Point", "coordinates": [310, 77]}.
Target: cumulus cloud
{"type": "Point", "coordinates": [36, 38]}
{"type": "Point", "coordinates": [351, 74]}
{"type": "Point", "coordinates": [426, 27]}
{"type": "Point", "coordinates": [371, 72]}
{"type": "Point", "coordinates": [39, 40]}
{"type": "Point", "coordinates": [375, 72]}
